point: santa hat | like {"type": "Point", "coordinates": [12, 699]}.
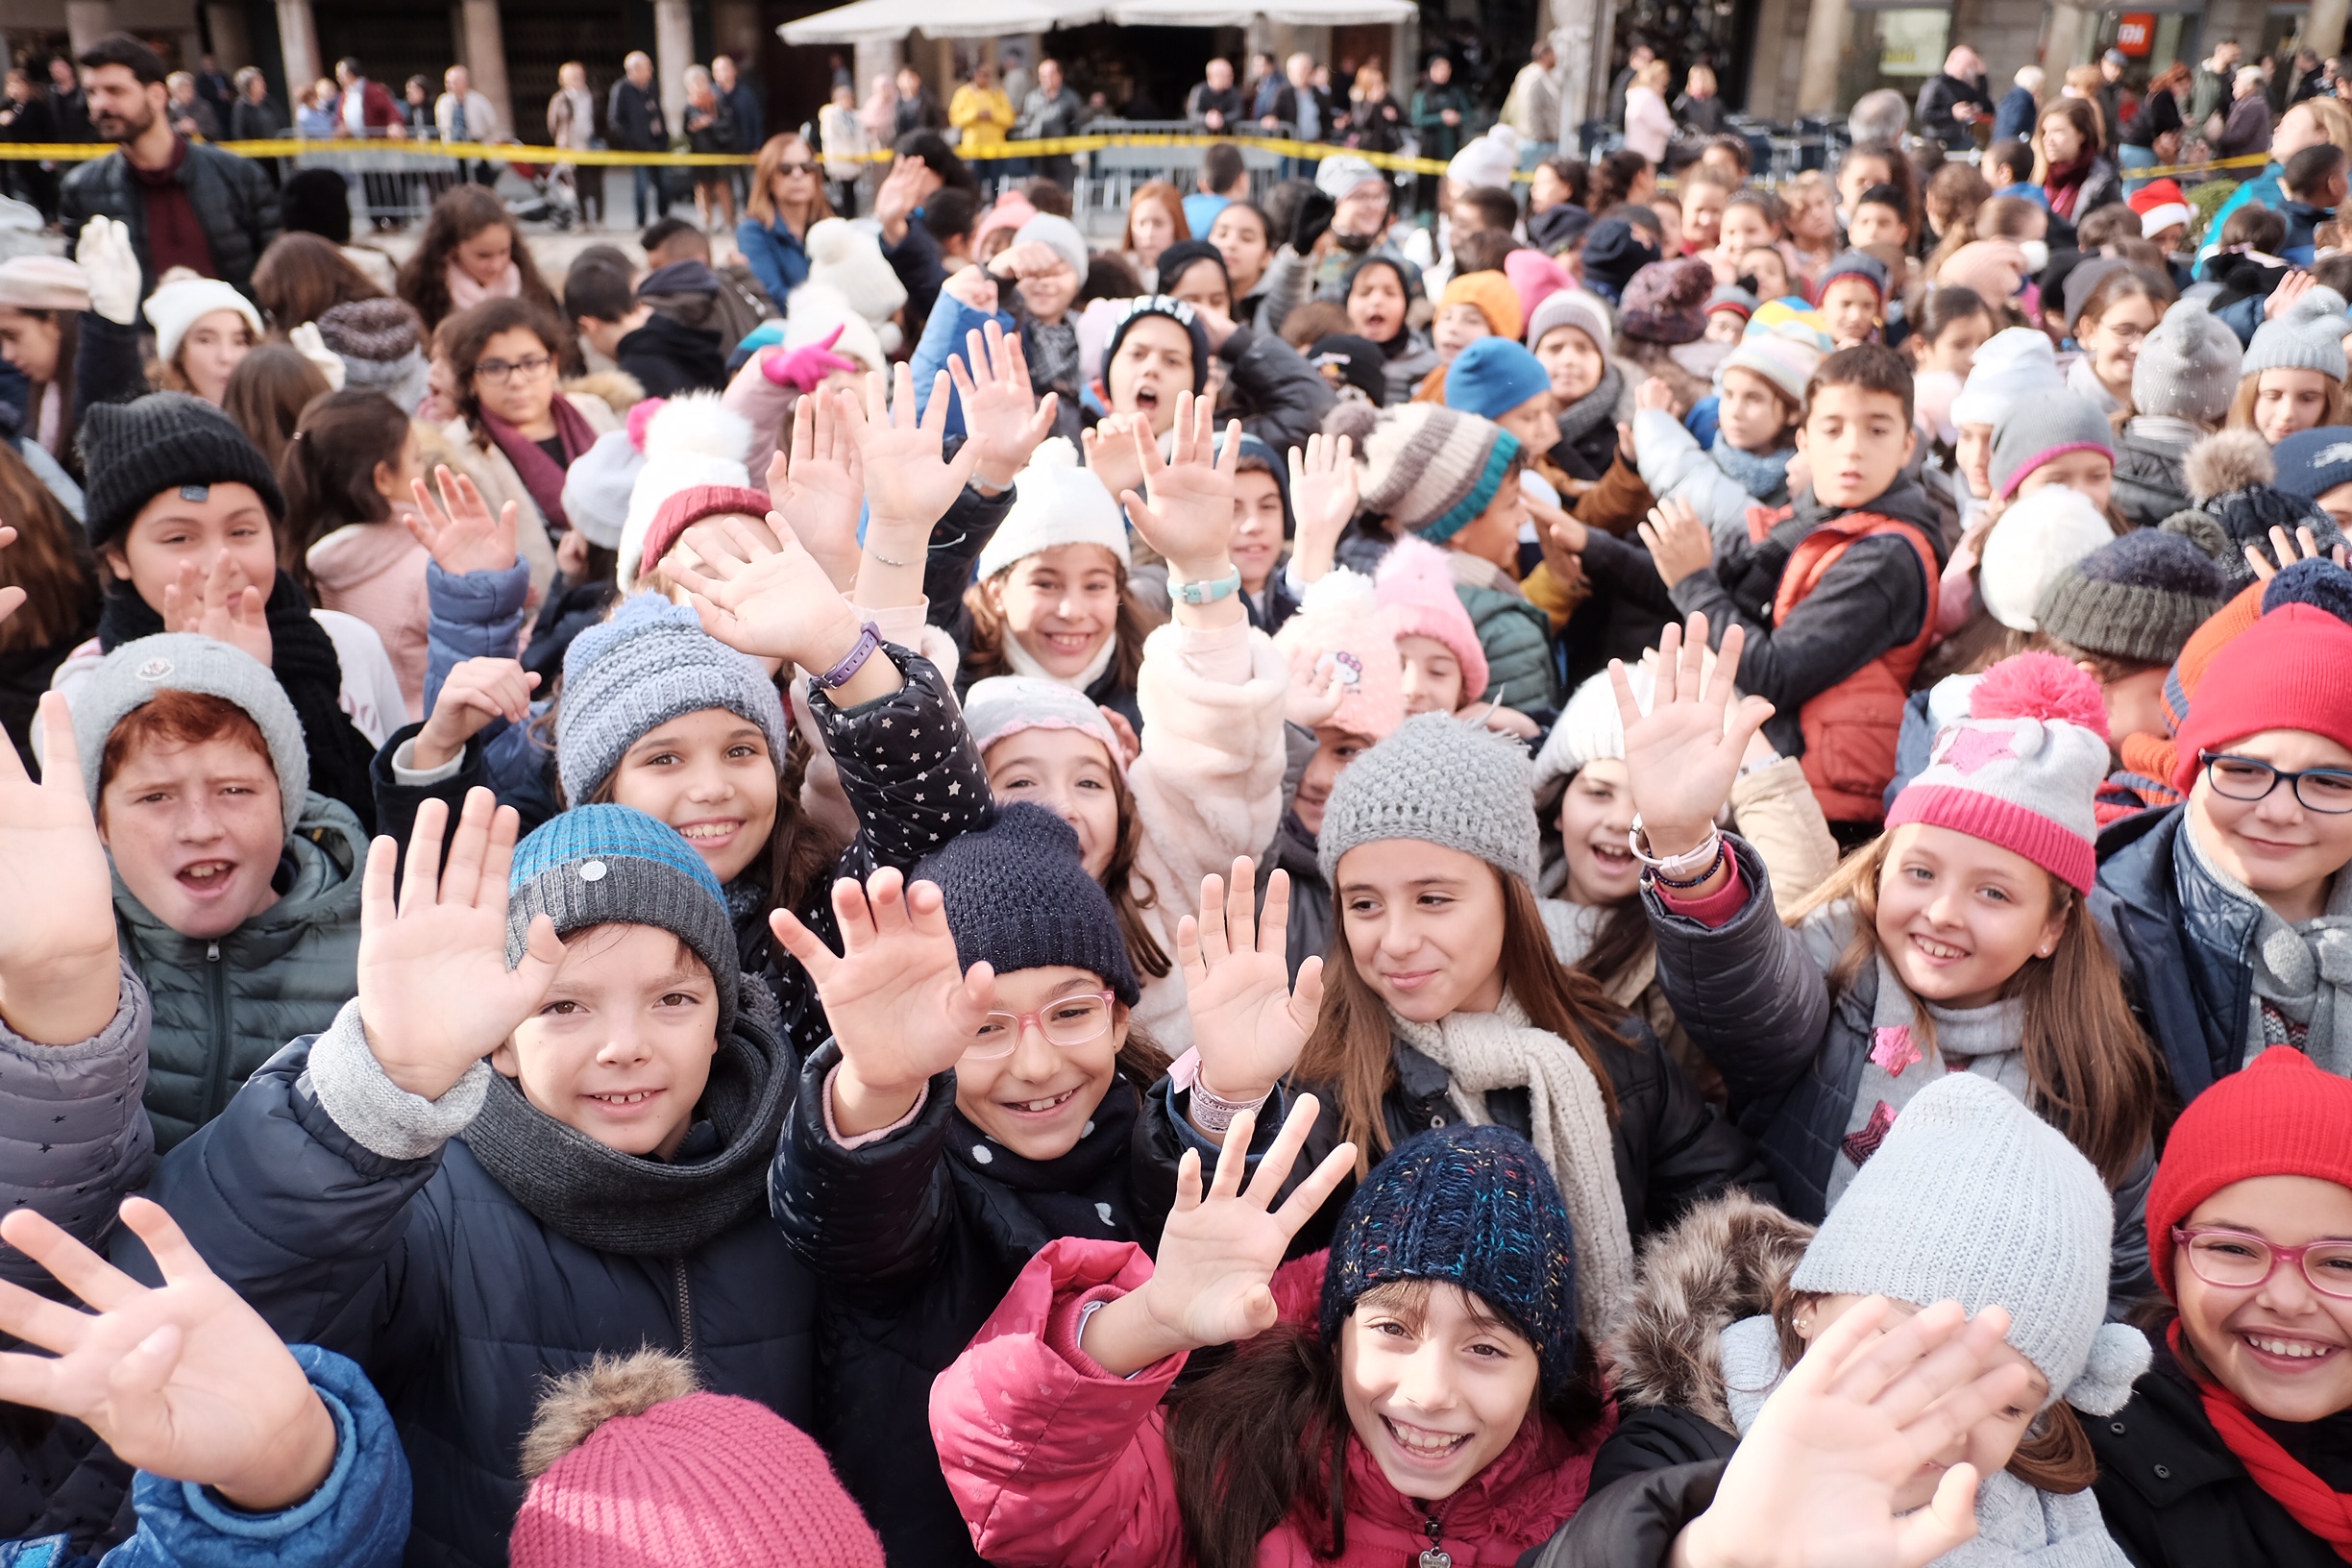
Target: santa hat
{"type": "Point", "coordinates": [2161, 205]}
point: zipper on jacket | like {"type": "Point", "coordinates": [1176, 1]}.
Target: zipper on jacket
{"type": "Point", "coordinates": [216, 1065]}
{"type": "Point", "coordinates": [685, 1308]}
{"type": "Point", "coordinates": [1436, 1556]}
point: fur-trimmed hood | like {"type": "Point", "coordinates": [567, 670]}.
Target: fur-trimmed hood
{"type": "Point", "coordinates": [1723, 1262]}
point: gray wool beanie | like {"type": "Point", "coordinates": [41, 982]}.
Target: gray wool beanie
{"type": "Point", "coordinates": [2018, 1218]}
{"type": "Point", "coordinates": [2040, 427]}
{"type": "Point", "coordinates": [651, 662]}
{"type": "Point", "coordinates": [2188, 366]}
{"type": "Point", "coordinates": [129, 678]}
{"type": "Point", "coordinates": [2139, 597]}
{"type": "Point", "coordinates": [2308, 336]}
{"type": "Point", "coordinates": [1437, 780]}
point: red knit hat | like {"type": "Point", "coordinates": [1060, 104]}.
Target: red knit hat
{"type": "Point", "coordinates": [684, 509]}
{"type": "Point", "coordinates": [2284, 1115]}
{"type": "Point", "coordinates": [2285, 672]}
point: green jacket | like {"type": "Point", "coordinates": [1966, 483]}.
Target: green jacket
{"type": "Point", "coordinates": [1516, 637]}
{"type": "Point", "coordinates": [222, 1008]}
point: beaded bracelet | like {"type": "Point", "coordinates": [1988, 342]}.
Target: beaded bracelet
{"type": "Point", "coordinates": [1661, 879]}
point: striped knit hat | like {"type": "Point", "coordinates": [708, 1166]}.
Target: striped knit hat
{"type": "Point", "coordinates": [2022, 769]}
{"type": "Point", "coordinates": [1424, 466]}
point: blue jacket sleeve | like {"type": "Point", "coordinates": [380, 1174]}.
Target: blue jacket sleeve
{"type": "Point", "coordinates": [771, 262]}
{"type": "Point", "coordinates": [942, 335]}
{"type": "Point", "coordinates": [474, 615]}
{"type": "Point", "coordinates": [358, 1517]}
{"type": "Point", "coordinates": [2242, 316]}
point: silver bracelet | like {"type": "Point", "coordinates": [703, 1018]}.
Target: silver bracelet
{"type": "Point", "coordinates": [885, 559]}
{"type": "Point", "coordinates": [1213, 1112]}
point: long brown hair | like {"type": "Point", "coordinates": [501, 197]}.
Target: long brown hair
{"type": "Point", "coordinates": [760, 205]}
{"type": "Point", "coordinates": [51, 561]}
{"type": "Point", "coordinates": [302, 276]}
{"type": "Point", "coordinates": [2093, 1072]}
{"type": "Point", "coordinates": [1170, 198]}
{"type": "Point", "coordinates": [2250, 387]}
{"type": "Point", "coordinates": [1136, 620]}
{"type": "Point", "coordinates": [462, 213]}
{"type": "Point", "coordinates": [266, 395]}
{"type": "Point", "coordinates": [68, 324]}
{"type": "Point", "coordinates": [1353, 1051]}
{"type": "Point", "coordinates": [327, 472]}
{"type": "Point", "coordinates": [1265, 1435]}
{"type": "Point", "coordinates": [466, 334]}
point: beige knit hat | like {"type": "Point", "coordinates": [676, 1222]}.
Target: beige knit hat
{"type": "Point", "coordinates": [1425, 467]}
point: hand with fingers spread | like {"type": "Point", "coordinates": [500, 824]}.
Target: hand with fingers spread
{"type": "Point", "coordinates": [1248, 1023]}
{"type": "Point", "coordinates": [775, 602]}
{"type": "Point", "coordinates": [220, 604]}
{"type": "Point", "coordinates": [477, 694]}
{"type": "Point", "coordinates": [1816, 1482]}
{"type": "Point", "coordinates": [2303, 546]}
{"type": "Point", "coordinates": [1210, 1283]}
{"type": "Point", "coordinates": [1111, 452]}
{"type": "Point", "coordinates": [900, 1005]}
{"type": "Point", "coordinates": [60, 975]}
{"type": "Point", "coordinates": [435, 995]}
{"type": "Point", "coordinates": [1683, 755]}
{"type": "Point", "coordinates": [186, 1382]}
{"type": "Point", "coordinates": [1679, 543]}
{"type": "Point", "coordinates": [909, 485]}
{"type": "Point", "coordinates": [1003, 416]}
{"type": "Point", "coordinates": [898, 197]}
{"type": "Point", "coordinates": [1323, 500]}
{"type": "Point", "coordinates": [1188, 517]}
{"type": "Point", "coordinates": [822, 485]}
{"type": "Point", "coordinates": [458, 529]}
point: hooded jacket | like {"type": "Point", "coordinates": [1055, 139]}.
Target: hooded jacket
{"type": "Point", "coordinates": [668, 357]}
{"type": "Point", "coordinates": [2150, 484]}
{"type": "Point", "coordinates": [376, 571]}
{"type": "Point", "coordinates": [224, 1006]}
{"type": "Point", "coordinates": [694, 295]}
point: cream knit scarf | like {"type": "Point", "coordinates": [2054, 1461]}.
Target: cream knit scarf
{"type": "Point", "coordinates": [1025, 663]}
{"type": "Point", "coordinates": [1570, 1129]}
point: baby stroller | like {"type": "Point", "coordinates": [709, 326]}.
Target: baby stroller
{"type": "Point", "coordinates": [554, 198]}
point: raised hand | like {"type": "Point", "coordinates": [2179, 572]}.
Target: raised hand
{"type": "Point", "coordinates": [459, 531]}
{"type": "Point", "coordinates": [105, 254]}
{"type": "Point", "coordinates": [1189, 516]}
{"type": "Point", "coordinates": [1209, 1281]}
{"type": "Point", "coordinates": [1111, 453]}
{"type": "Point", "coordinates": [1679, 543]}
{"type": "Point", "coordinates": [59, 977]}
{"type": "Point", "coordinates": [1683, 755]}
{"type": "Point", "coordinates": [908, 483]}
{"type": "Point", "coordinates": [1323, 500]}
{"type": "Point", "coordinates": [822, 485]}
{"type": "Point", "coordinates": [773, 602]}
{"type": "Point", "coordinates": [220, 604]}
{"type": "Point", "coordinates": [435, 993]}
{"type": "Point", "coordinates": [901, 1006]}
{"type": "Point", "coordinates": [2303, 546]}
{"type": "Point", "coordinates": [1002, 414]}
{"type": "Point", "coordinates": [898, 195]}
{"type": "Point", "coordinates": [477, 693]}
{"type": "Point", "coordinates": [1248, 1024]}
{"type": "Point", "coordinates": [805, 368]}
{"type": "Point", "coordinates": [1814, 1482]}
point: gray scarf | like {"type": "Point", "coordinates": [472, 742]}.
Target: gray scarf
{"type": "Point", "coordinates": [1764, 478]}
{"type": "Point", "coordinates": [2302, 970]}
{"type": "Point", "coordinates": [1593, 407]}
{"type": "Point", "coordinates": [2017, 1525]}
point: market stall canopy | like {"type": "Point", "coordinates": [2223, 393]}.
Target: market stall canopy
{"type": "Point", "coordinates": [1241, 13]}
{"type": "Point", "coordinates": [893, 19]}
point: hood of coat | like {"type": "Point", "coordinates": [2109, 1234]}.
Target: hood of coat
{"type": "Point", "coordinates": [318, 886]}
{"type": "Point", "coordinates": [1725, 1261]}
{"type": "Point", "coordinates": [360, 552]}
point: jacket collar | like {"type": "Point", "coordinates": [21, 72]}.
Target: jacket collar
{"type": "Point", "coordinates": [318, 886]}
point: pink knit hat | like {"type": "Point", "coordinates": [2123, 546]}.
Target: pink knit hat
{"type": "Point", "coordinates": [2023, 769]}
{"type": "Point", "coordinates": [1010, 210]}
{"type": "Point", "coordinates": [1536, 277]}
{"type": "Point", "coordinates": [1342, 633]}
{"type": "Point", "coordinates": [1414, 582]}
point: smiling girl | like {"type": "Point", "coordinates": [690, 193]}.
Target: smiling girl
{"type": "Point", "coordinates": [203, 329]}
{"type": "Point", "coordinates": [2292, 375]}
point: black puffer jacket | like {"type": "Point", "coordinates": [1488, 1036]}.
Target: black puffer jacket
{"type": "Point", "coordinates": [2149, 485]}
{"type": "Point", "coordinates": [1273, 391]}
{"type": "Point", "coordinates": [231, 195]}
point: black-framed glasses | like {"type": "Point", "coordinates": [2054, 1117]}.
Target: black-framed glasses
{"type": "Point", "coordinates": [1066, 1021]}
{"type": "Point", "coordinates": [2241, 1261]}
{"type": "Point", "coordinates": [530, 367]}
{"type": "Point", "coordinates": [2324, 790]}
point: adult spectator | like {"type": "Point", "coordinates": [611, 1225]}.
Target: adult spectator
{"type": "Point", "coordinates": [2075, 179]}
{"type": "Point", "coordinates": [1301, 104]}
{"type": "Point", "coordinates": [463, 115]}
{"type": "Point", "coordinates": [1533, 106]}
{"type": "Point", "coordinates": [1224, 179]}
{"type": "Point", "coordinates": [1374, 121]}
{"type": "Point", "coordinates": [1440, 110]}
{"type": "Point", "coordinates": [1637, 56]}
{"type": "Point", "coordinates": [1952, 101]}
{"type": "Point", "coordinates": [190, 115]}
{"type": "Point", "coordinates": [255, 116]}
{"type": "Point", "coordinates": [633, 122]}
{"type": "Point", "coordinates": [367, 108]}
{"type": "Point", "coordinates": [212, 87]}
{"type": "Point", "coordinates": [70, 103]}
{"type": "Point", "coordinates": [750, 113]}
{"type": "Point", "coordinates": [710, 128]}
{"type": "Point", "coordinates": [1649, 124]}
{"type": "Point", "coordinates": [1701, 108]}
{"type": "Point", "coordinates": [1264, 82]}
{"type": "Point", "coordinates": [572, 125]}
{"type": "Point", "coordinates": [1051, 109]}
{"type": "Point", "coordinates": [918, 107]}
{"type": "Point", "coordinates": [1013, 76]}
{"type": "Point", "coordinates": [840, 131]}
{"type": "Point", "coordinates": [1215, 103]}
{"type": "Point", "coordinates": [25, 116]}
{"type": "Point", "coordinates": [2247, 128]}
{"type": "Point", "coordinates": [980, 112]}
{"type": "Point", "coordinates": [2216, 84]}
{"type": "Point", "coordinates": [1878, 116]}
{"type": "Point", "coordinates": [2012, 120]}
{"type": "Point", "coordinates": [417, 109]}
{"type": "Point", "coordinates": [314, 111]}
{"type": "Point", "coordinates": [186, 205]}
{"type": "Point", "coordinates": [2310, 78]}
{"type": "Point", "coordinates": [786, 196]}
{"type": "Point", "coordinates": [2153, 136]}
{"type": "Point", "coordinates": [2110, 96]}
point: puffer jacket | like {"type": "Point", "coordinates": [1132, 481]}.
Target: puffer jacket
{"type": "Point", "coordinates": [1755, 996]}
{"type": "Point", "coordinates": [74, 1137]}
{"type": "Point", "coordinates": [458, 1298]}
{"type": "Point", "coordinates": [223, 1006]}
{"type": "Point", "coordinates": [2149, 484]}
{"type": "Point", "coordinates": [233, 199]}
{"type": "Point", "coordinates": [1055, 1464]}
{"type": "Point", "coordinates": [1513, 632]}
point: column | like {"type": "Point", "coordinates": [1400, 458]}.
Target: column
{"type": "Point", "coordinates": [86, 22]}
{"type": "Point", "coordinates": [2070, 35]}
{"type": "Point", "coordinates": [2323, 32]}
{"type": "Point", "coordinates": [1824, 42]}
{"type": "Point", "coordinates": [874, 57]}
{"type": "Point", "coordinates": [486, 50]}
{"type": "Point", "coordinates": [297, 43]}
{"type": "Point", "coordinates": [1578, 40]}
{"type": "Point", "coordinates": [232, 41]}
{"type": "Point", "coordinates": [672, 53]}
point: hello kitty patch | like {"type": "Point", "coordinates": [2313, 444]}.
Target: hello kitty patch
{"type": "Point", "coordinates": [1892, 1048]}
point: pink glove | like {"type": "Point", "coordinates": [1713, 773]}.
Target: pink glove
{"type": "Point", "coordinates": [806, 366]}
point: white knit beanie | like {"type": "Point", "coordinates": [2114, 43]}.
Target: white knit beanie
{"type": "Point", "coordinates": [691, 441]}
{"type": "Point", "coordinates": [172, 310]}
{"type": "Point", "coordinates": [850, 259]}
{"type": "Point", "coordinates": [2013, 362]}
{"type": "Point", "coordinates": [2034, 540]}
{"type": "Point", "coordinates": [1591, 729]}
{"type": "Point", "coordinates": [597, 487]}
{"type": "Point", "coordinates": [1975, 1199]}
{"type": "Point", "coordinates": [1055, 503]}
{"type": "Point", "coordinates": [814, 309]}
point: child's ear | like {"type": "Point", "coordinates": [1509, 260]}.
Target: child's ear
{"type": "Point", "coordinates": [505, 1061]}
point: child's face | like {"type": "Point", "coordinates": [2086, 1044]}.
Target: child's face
{"type": "Point", "coordinates": [2287, 401]}
{"type": "Point", "coordinates": [1336, 747]}
{"type": "Point", "coordinates": [2172, 240]}
{"type": "Point", "coordinates": [2114, 342]}
{"type": "Point", "coordinates": [2135, 703]}
{"type": "Point", "coordinates": [1039, 1100]}
{"type": "Point", "coordinates": [1258, 527]}
{"type": "Point", "coordinates": [1876, 224]}
{"type": "Point", "coordinates": [1047, 296]}
{"type": "Point", "coordinates": [1850, 305]}
{"type": "Point", "coordinates": [1240, 239]}
{"type": "Point", "coordinates": [2278, 846]}
{"type": "Point", "coordinates": [1751, 413]}
{"type": "Point", "coordinates": [1857, 175]}
{"type": "Point", "coordinates": [1068, 773]}
{"type": "Point", "coordinates": [1456, 328]}
{"type": "Point", "coordinates": [1062, 603]}
{"type": "Point", "coordinates": [1855, 442]}
{"type": "Point", "coordinates": [1743, 228]}
{"type": "Point", "coordinates": [1813, 216]}
{"type": "Point", "coordinates": [172, 532]}
{"type": "Point", "coordinates": [1493, 535]}
{"type": "Point", "coordinates": [1725, 326]}
{"type": "Point", "coordinates": [1201, 285]}
{"type": "Point", "coordinates": [1669, 238]}
{"type": "Point", "coordinates": [710, 775]}
{"type": "Point", "coordinates": [1596, 817]}
{"type": "Point", "coordinates": [1573, 362]}
{"type": "Point", "coordinates": [1718, 161]}
{"type": "Point", "coordinates": [1531, 425]}
{"type": "Point", "coordinates": [1959, 916]}
{"type": "Point", "coordinates": [1424, 927]}
{"type": "Point", "coordinates": [1432, 676]}
{"type": "Point", "coordinates": [2089, 474]}
{"type": "Point", "coordinates": [1770, 269]}
{"type": "Point", "coordinates": [1154, 364]}
{"type": "Point", "coordinates": [2225, 1323]}
{"type": "Point", "coordinates": [1375, 304]}
{"type": "Point", "coordinates": [213, 348]}
{"type": "Point", "coordinates": [2337, 503]}
{"type": "Point", "coordinates": [1435, 1385]}
{"type": "Point", "coordinates": [1954, 349]}
{"type": "Point", "coordinates": [196, 832]}
{"type": "Point", "coordinates": [620, 1049]}
{"type": "Point", "coordinates": [393, 480]}
{"type": "Point", "coordinates": [1703, 213]}
{"type": "Point", "coordinates": [1974, 450]}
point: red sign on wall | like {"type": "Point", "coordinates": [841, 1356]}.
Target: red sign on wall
{"type": "Point", "coordinates": [2136, 32]}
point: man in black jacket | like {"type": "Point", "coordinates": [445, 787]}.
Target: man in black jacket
{"type": "Point", "coordinates": [666, 356]}
{"type": "Point", "coordinates": [633, 122]}
{"type": "Point", "coordinates": [186, 205]}
{"type": "Point", "coordinates": [1951, 103]}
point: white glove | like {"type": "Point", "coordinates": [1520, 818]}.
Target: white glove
{"type": "Point", "coordinates": [106, 254]}
{"type": "Point", "coordinates": [313, 347]}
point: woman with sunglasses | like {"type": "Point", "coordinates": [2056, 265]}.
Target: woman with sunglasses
{"type": "Point", "coordinates": [2228, 913]}
{"type": "Point", "coordinates": [788, 194]}
{"type": "Point", "coordinates": [2231, 1449]}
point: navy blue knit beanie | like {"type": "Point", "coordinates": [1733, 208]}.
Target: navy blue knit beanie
{"type": "Point", "coordinates": [1019, 897]}
{"type": "Point", "coordinates": [1472, 1207]}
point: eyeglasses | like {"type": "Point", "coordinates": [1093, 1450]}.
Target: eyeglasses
{"type": "Point", "coordinates": [2324, 790]}
{"type": "Point", "coordinates": [530, 369]}
{"type": "Point", "coordinates": [1066, 1021]}
{"type": "Point", "coordinates": [803, 167]}
{"type": "Point", "coordinates": [2236, 1261]}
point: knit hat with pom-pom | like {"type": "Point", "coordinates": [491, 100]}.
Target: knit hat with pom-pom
{"type": "Point", "coordinates": [2034, 541]}
{"type": "Point", "coordinates": [1666, 302]}
{"type": "Point", "coordinates": [2023, 769]}
{"type": "Point", "coordinates": [2230, 475]}
{"type": "Point", "coordinates": [597, 485]}
{"type": "Point", "coordinates": [1414, 580]}
{"type": "Point", "coordinates": [2138, 597]}
{"type": "Point", "coordinates": [2285, 672]}
{"type": "Point", "coordinates": [697, 458]}
{"type": "Point", "coordinates": [631, 1466]}
{"type": "Point", "coordinates": [1425, 467]}
{"type": "Point", "coordinates": [850, 259]}
{"type": "Point", "coordinates": [2306, 335]}
{"type": "Point", "coordinates": [1343, 637]}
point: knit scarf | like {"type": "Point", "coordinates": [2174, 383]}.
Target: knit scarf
{"type": "Point", "coordinates": [1593, 407]}
{"type": "Point", "coordinates": [1765, 478]}
{"type": "Point", "coordinates": [1082, 1193]}
{"type": "Point", "coordinates": [2302, 970]}
{"type": "Point", "coordinates": [2017, 1526]}
{"type": "Point", "coordinates": [2063, 182]}
{"type": "Point", "coordinates": [630, 1203]}
{"type": "Point", "coordinates": [1025, 663]}
{"type": "Point", "coordinates": [1052, 351]}
{"type": "Point", "coordinates": [2082, 377]}
{"type": "Point", "coordinates": [2312, 1503]}
{"type": "Point", "coordinates": [465, 293]}
{"type": "Point", "coordinates": [1568, 1124]}
{"type": "Point", "coordinates": [538, 472]}
{"type": "Point", "coordinates": [1985, 1041]}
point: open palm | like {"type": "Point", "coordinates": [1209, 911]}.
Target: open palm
{"type": "Point", "coordinates": [1683, 755]}
{"type": "Point", "coordinates": [1323, 495]}
{"type": "Point", "coordinates": [50, 857]}
{"type": "Point", "coordinates": [1248, 1024]}
{"type": "Point", "coordinates": [772, 602]}
{"type": "Point", "coordinates": [901, 1006]}
{"type": "Point", "coordinates": [1002, 415]}
{"type": "Point", "coordinates": [1189, 516]}
{"type": "Point", "coordinates": [220, 604]}
{"type": "Point", "coordinates": [907, 480]}
{"type": "Point", "coordinates": [823, 485]}
{"type": "Point", "coordinates": [460, 530]}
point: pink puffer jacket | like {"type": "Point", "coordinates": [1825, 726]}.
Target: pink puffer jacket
{"type": "Point", "coordinates": [1055, 1464]}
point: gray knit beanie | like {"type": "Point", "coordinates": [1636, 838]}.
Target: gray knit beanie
{"type": "Point", "coordinates": [1437, 780]}
{"type": "Point", "coordinates": [2042, 426]}
{"type": "Point", "coordinates": [380, 346]}
{"type": "Point", "coordinates": [1973, 1198]}
{"type": "Point", "coordinates": [651, 662]}
{"type": "Point", "coordinates": [2138, 597]}
{"type": "Point", "coordinates": [2306, 335]}
{"type": "Point", "coordinates": [129, 678]}
{"type": "Point", "coordinates": [133, 452]}
{"type": "Point", "coordinates": [2188, 366]}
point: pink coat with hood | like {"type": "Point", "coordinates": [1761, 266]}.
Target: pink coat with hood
{"type": "Point", "coordinates": [376, 571]}
{"type": "Point", "coordinates": [1055, 1464]}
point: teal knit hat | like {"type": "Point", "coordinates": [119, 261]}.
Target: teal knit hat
{"type": "Point", "coordinates": [1426, 467]}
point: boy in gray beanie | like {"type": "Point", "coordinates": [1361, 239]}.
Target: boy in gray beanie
{"type": "Point", "coordinates": [2125, 612]}
{"type": "Point", "coordinates": [2182, 385]}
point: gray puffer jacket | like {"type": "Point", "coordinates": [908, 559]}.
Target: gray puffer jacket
{"type": "Point", "coordinates": [73, 1137]}
{"type": "Point", "coordinates": [2149, 483]}
{"type": "Point", "coordinates": [224, 1006]}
